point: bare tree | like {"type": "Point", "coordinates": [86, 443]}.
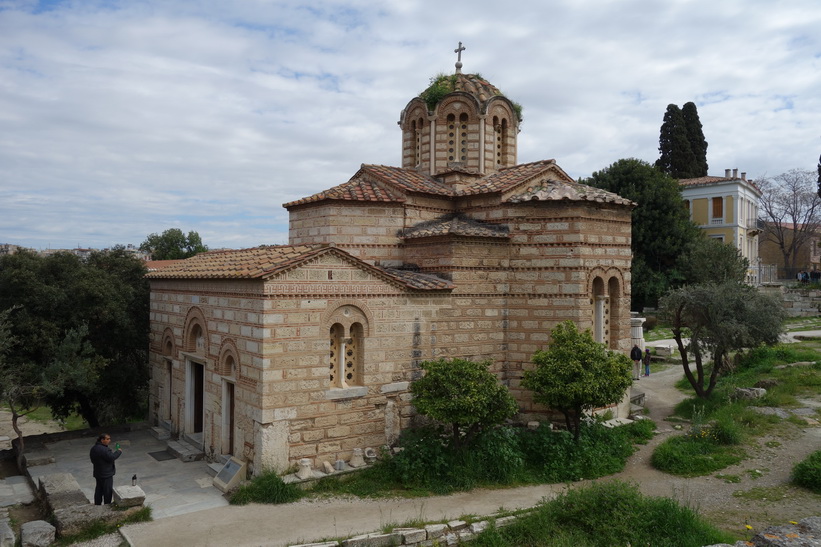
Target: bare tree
{"type": "Point", "coordinates": [791, 212]}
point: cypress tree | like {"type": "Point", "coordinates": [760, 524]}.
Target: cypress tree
{"type": "Point", "coordinates": [695, 135]}
{"type": "Point", "coordinates": [676, 157]}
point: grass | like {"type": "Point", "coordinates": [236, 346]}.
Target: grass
{"type": "Point", "coordinates": [762, 493]}
{"type": "Point", "coordinates": [606, 514]}
{"type": "Point", "coordinates": [100, 528]}
{"type": "Point", "coordinates": [268, 487]}
{"type": "Point", "coordinates": [721, 426]}
{"type": "Point", "coordinates": [686, 456]}
{"type": "Point", "coordinates": [43, 414]}
{"type": "Point", "coordinates": [807, 473]}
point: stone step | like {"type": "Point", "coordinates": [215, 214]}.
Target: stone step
{"type": "Point", "coordinates": [214, 468]}
{"type": "Point", "coordinates": [160, 433]}
{"type": "Point", "coordinates": [184, 451]}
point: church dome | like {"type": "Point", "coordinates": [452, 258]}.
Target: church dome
{"type": "Point", "coordinates": [472, 84]}
{"type": "Point", "coordinates": [460, 123]}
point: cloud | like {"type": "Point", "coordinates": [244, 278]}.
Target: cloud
{"type": "Point", "coordinates": [119, 119]}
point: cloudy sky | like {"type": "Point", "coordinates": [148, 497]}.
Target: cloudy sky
{"type": "Point", "coordinates": [121, 118]}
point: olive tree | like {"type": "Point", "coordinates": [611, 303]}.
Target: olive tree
{"type": "Point", "coordinates": [576, 374]}
{"type": "Point", "coordinates": [463, 394]}
{"type": "Point", "coordinates": [712, 320]}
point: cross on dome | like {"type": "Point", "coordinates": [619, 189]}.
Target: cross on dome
{"type": "Point", "coordinates": [458, 52]}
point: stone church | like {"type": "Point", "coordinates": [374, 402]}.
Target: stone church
{"type": "Point", "coordinates": [307, 350]}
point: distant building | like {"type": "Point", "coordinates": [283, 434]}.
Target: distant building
{"type": "Point", "coordinates": [807, 256]}
{"type": "Point", "coordinates": [9, 248]}
{"type": "Point", "coordinates": [726, 208]}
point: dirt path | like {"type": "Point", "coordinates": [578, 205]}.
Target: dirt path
{"type": "Point", "coordinates": [762, 496]}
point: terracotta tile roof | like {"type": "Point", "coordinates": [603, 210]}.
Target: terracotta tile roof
{"type": "Point", "coordinates": [408, 180]}
{"type": "Point", "coordinates": [266, 261]}
{"type": "Point", "coordinates": [698, 181]}
{"type": "Point", "coordinates": [154, 265]}
{"type": "Point", "coordinates": [549, 190]}
{"type": "Point", "coordinates": [704, 181]}
{"type": "Point", "coordinates": [419, 281]}
{"type": "Point", "coordinates": [356, 189]}
{"type": "Point", "coordinates": [383, 183]}
{"type": "Point", "coordinates": [510, 176]}
{"type": "Point", "coordinates": [254, 263]}
{"type": "Point", "coordinates": [458, 225]}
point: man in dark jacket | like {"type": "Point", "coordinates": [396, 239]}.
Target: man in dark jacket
{"type": "Point", "coordinates": [104, 470]}
{"type": "Point", "coordinates": [635, 356]}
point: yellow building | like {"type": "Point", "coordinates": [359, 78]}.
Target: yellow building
{"type": "Point", "coordinates": [726, 208]}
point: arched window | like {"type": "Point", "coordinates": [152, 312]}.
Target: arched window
{"type": "Point", "coordinates": [345, 355]}
{"type": "Point", "coordinates": [463, 137]}
{"type": "Point", "coordinates": [347, 333]}
{"type": "Point", "coordinates": [334, 354]}
{"type": "Point", "coordinates": [417, 153]}
{"type": "Point", "coordinates": [613, 328]}
{"type": "Point", "coordinates": [600, 310]}
{"type": "Point", "coordinates": [452, 136]}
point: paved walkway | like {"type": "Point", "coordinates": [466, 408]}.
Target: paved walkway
{"type": "Point", "coordinates": [171, 487]}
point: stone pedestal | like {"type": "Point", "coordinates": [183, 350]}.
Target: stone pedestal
{"type": "Point", "coordinates": [128, 496]}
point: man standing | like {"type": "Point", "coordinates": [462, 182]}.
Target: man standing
{"type": "Point", "coordinates": [635, 355]}
{"type": "Point", "coordinates": [104, 470]}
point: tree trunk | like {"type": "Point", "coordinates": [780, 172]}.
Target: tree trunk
{"type": "Point", "coordinates": [21, 444]}
{"type": "Point", "coordinates": [88, 412]}
{"type": "Point", "coordinates": [685, 364]}
{"type": "Point", "coordinates": [577, 424]}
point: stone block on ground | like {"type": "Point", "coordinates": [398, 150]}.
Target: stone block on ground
{"type": "Point", "coordinates": [128, 496]}
{"type": "Point", "coordinates": [411, 535]}
{"type": "Point", "coordinates": [61, 490]}
{"type": "Point", "coordinates": [7, 537]}
{"type": "Point", "coordinates": [373, 540]}
{"type": "Point", "coordinates": [37, 533]}
{"type": "Point", "coordinates": [40, 456]}
{"type": "Point", "coordinates": [663, 350]}
{"type": "Point", "coordinates": [71, 520]}
{"type": "Point", "coordinates": [749, 393]}
{"type": "Point", "coordinates": [436, 530]}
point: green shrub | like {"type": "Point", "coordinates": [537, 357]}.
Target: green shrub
{"type": "Point", "coordinates": [266, 488]}
{"type": "Point", "coordinates": [606, 514]}
{"type": "Point", "coordinates": [425, 459]}
{"type": "Point", "coordinates": [495, 457]}
{"type": "Point", "coordinates": [693, 455]}
{"type": "Point", "coordinates": [808, 472]}
{"type": "Point", "coordinates": [554, 456]}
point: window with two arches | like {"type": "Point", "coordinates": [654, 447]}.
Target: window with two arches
{"type": "Point", "coordinates": [345, 355]}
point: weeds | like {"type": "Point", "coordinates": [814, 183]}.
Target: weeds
{"type": "Point", "coordinates": [266, 488]}
{"type": "Point", "coordinates": [100, 528]}
{"type": "Point", "coordinates": [807, 473]}
{"type": "Point", "coordinates": [605, 514]}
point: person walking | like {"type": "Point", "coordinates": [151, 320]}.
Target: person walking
{"type": "Point", "coordinates": [102, 458]}
{"type": "Point", "coordinates": [635, 355]}
{"type": "Point", "coordinates": [647, 359]}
